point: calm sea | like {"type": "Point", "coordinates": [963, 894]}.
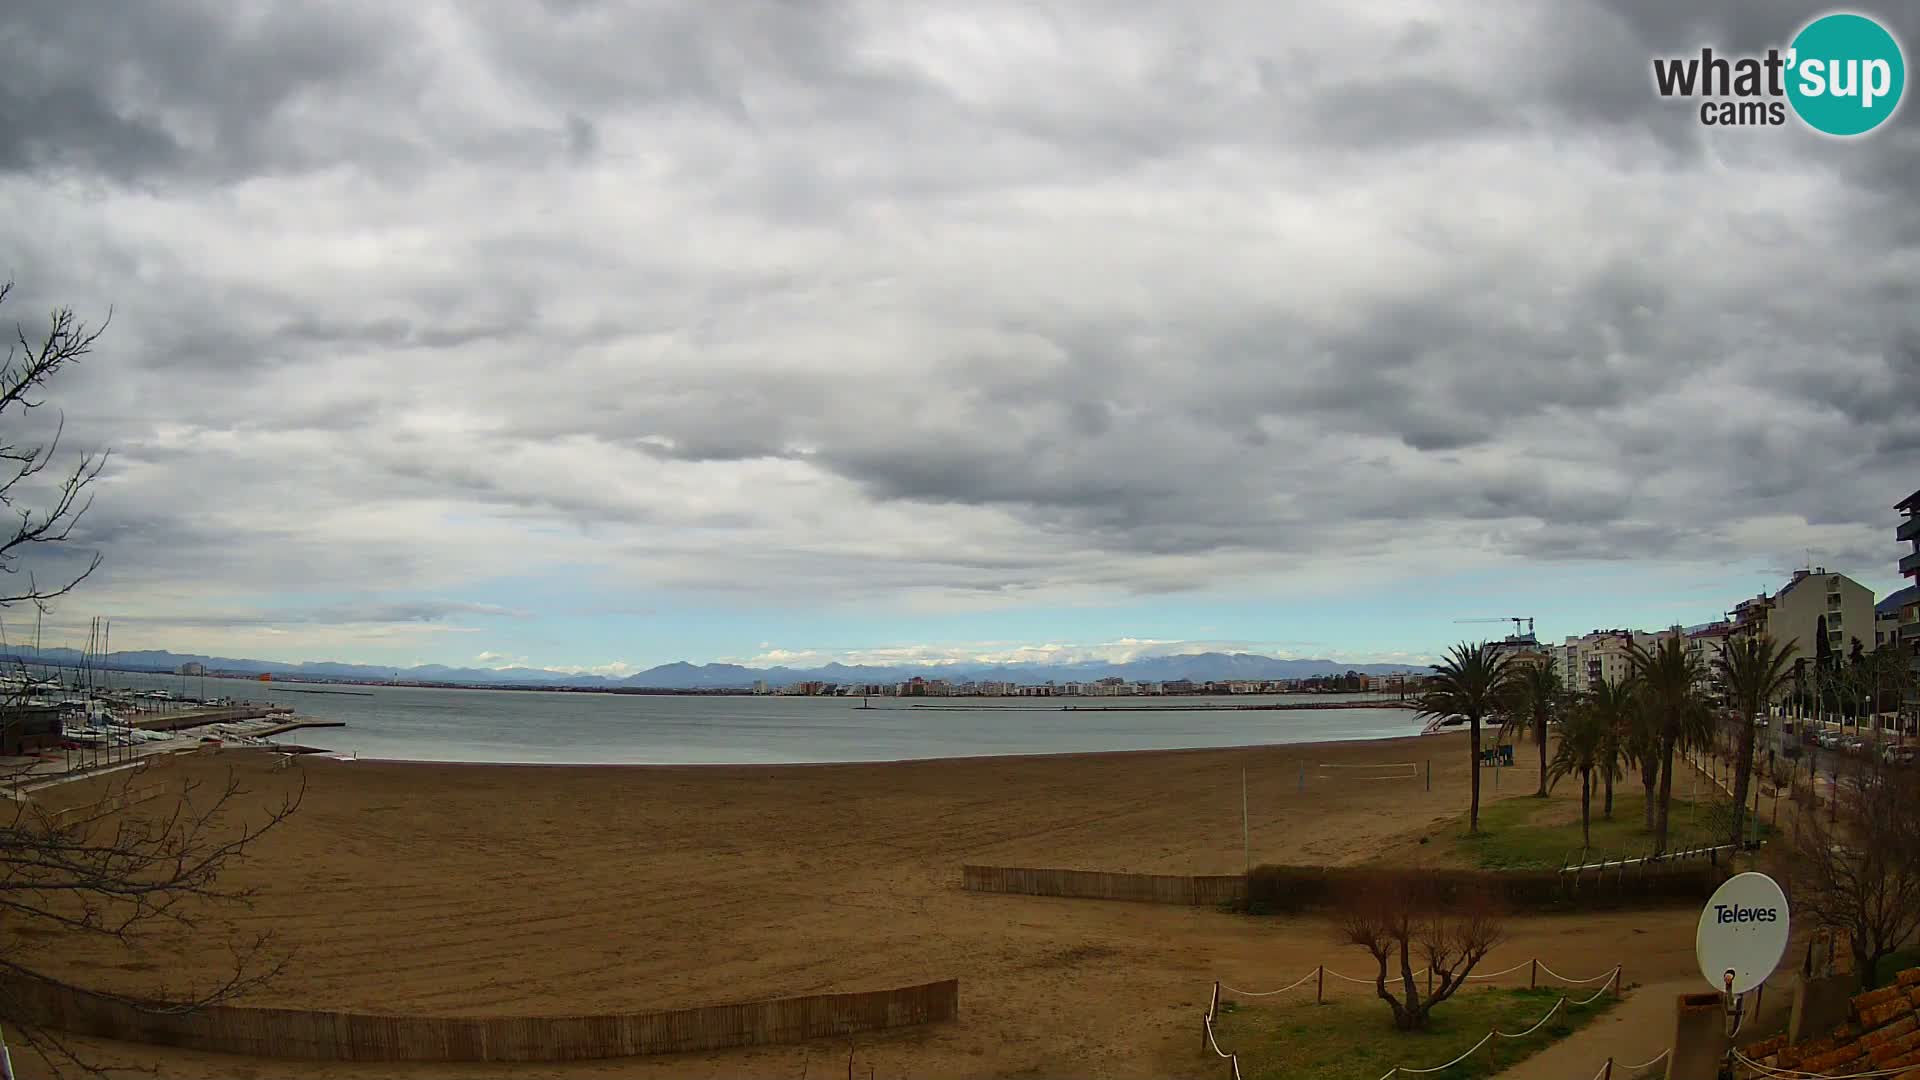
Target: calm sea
{"type": "Point", "coordinates": [574, 728]}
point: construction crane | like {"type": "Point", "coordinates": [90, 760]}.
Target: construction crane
{"type": "Point", "coordinates": [1516, 620]}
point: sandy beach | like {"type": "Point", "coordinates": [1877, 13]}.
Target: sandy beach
{"type": "Point", "coordinates": [483, 889]}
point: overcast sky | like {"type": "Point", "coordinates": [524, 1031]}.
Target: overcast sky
{"type": "Point", "coordinates": [597, 335]}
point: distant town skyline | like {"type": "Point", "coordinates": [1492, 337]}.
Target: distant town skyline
{"type": "Point", "coordinates": [623, 335]}
{"type": "Point", "coordinates": [1422, 619]}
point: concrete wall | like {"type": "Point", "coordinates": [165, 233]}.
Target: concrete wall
{"type": "Point", "coordinates": [1699, 1037]}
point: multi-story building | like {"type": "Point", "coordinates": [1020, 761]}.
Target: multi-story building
{"type": "Point", "coordinates": [1814, 605]}
{"type": "Point", "coordinates": [1602, 656]}
{"type": "Point", "coordinates": [1520, 648]}
{"type": "Point", "coordinates": [1886, 616]}
{"type": "Point", "coordinates": [1909, 532]}
{"type": "Point", "coordinates": [1705, 646]}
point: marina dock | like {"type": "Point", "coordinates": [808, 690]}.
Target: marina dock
{"type": "Point", "coordinates": [193, 718]}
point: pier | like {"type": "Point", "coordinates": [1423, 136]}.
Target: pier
{"type": "Point", "coordinates": [192, 718]}
{"type": "Point", "coordinates": [295, 724]}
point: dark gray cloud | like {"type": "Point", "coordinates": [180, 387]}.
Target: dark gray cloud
{"type": "Point", "coordinates": [857, 300]}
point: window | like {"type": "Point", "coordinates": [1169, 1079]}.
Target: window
{"type": "Point", "coordinates": [1833, 620]}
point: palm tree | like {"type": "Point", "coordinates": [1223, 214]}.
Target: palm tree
{"type": "Point", "coordinates": [1538, 700]}
{"type": "Point", "coordinates": [1752, 671]}
{"type": "Point", "coordinates": [1473, 682]}
{"type": "Point", "coordinates": [1669, 680]}
{"type": "Point", "coordinates": [1584, 732]}
{"type": "Point", "coordinates": [1616, 707]}
{"type": "Point", "coordinates": [1642, 745]}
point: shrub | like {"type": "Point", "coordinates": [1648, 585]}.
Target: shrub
{"type": "Point", "coordinates": [1299, 888]}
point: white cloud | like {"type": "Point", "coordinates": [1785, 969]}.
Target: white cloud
{"type": "Point", "coordinates": [938, 312]}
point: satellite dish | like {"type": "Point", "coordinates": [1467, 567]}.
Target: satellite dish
{"type": "Point", "coordinates": [1743, 933]}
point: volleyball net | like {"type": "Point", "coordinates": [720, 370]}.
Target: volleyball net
{"type": "Point", "coordinates": [1375, 770]}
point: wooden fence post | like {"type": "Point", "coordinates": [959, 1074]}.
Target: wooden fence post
{"type": "Point", "coordinates": [1320, 990]}
{"type": "Point", "coordinates": [1533, 977]}
{"type": "Point", "coordinates": [1608, 1073]}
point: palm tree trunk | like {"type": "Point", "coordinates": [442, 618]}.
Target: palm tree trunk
{"type": "Point", "coordinates": [1608, 780]}
{"type": "Point", "coordinates": [1666, 796]}
{"type": "Point", "coordinates": [1742, 775]}
{"type": "Point", "coordinates": [1473, 810]}
{"type": "Point", "coordinates": [1540, 740]}
{"type": "Point", "coordinates": [1650, 776]}
{"type": "Point", "coordinates": [1586, 810]}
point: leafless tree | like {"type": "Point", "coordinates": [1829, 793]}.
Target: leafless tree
{"type": "Point", "coordinates": [1400, 918]}
{"type": "Point", "coordinates": [103, 871]}
{"type": "Point", "coordinates": [1859, 872]}
{"type": "Point", "coordinates": [32, 360]}
{"type": "Point", "coordinates": [127, 876]}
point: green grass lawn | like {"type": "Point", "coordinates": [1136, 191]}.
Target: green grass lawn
{"type": "Point", "coordinates": [1528, 834]}
{"type": "Point", "coordinates": [1352, 1037]}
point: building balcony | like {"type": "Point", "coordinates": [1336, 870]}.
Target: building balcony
{"type": "Point", "coordinates": [1908, 530]}
{"type": "Point", "coordinates": [1910, 566]}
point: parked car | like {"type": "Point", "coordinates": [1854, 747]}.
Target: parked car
{"type": "Point", "coordinates": [1898, 755]}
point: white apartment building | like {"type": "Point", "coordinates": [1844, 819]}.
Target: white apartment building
{"type": "Point", "coordinates": [1812, 603]}
{"type": "Point", "coordinates": [1600, 656]}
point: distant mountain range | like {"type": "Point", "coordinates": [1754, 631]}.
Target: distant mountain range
{"type": "Point", "coordinates": [1199, 667]}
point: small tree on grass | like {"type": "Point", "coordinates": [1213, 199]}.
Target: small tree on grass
{"type": "Point", "coordinates": [1402, 918]}
{"type": "Point", "coordinates": [1861, 874]}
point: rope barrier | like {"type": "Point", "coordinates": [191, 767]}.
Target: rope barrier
{"type": "Point", "coordinates": [1206, 1023]}
{"type": "Point", "coordinates": [1578, 982]}
{"type": "Point", "coordinates": [1604, 977]}
{"type": "Point", "coordinates": [1370, 982]}
{"type": "Point", "coordinates": [1607, 982]}
{"type": "Point", "coordinates": [1537, 1023]}
{"type": "Point", "coordinates": [1401, 1068]}
{"type": "Point", "coordinates": [1509, 971]}
{"type": "Point", "coordinates": [1269, 993]}
{"type": "Point", "coordinates": [1662, 1056]}
{"type": "Point", "coordinates": [1595, 996]}
{"type": "Point", "coordinates": [1615, 973]}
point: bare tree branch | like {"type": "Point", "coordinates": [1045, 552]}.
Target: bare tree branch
{"type": "Point", "coordinates": [126, 876]}
{"type": "Point", "coordinates": [1398, 915]}
{"type": "Point", "coordinates": [31, 362]}
{"type": "Point", "coordinates": [1861, 874]}
{"type": "Point", "coordinates": [110, 872]}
